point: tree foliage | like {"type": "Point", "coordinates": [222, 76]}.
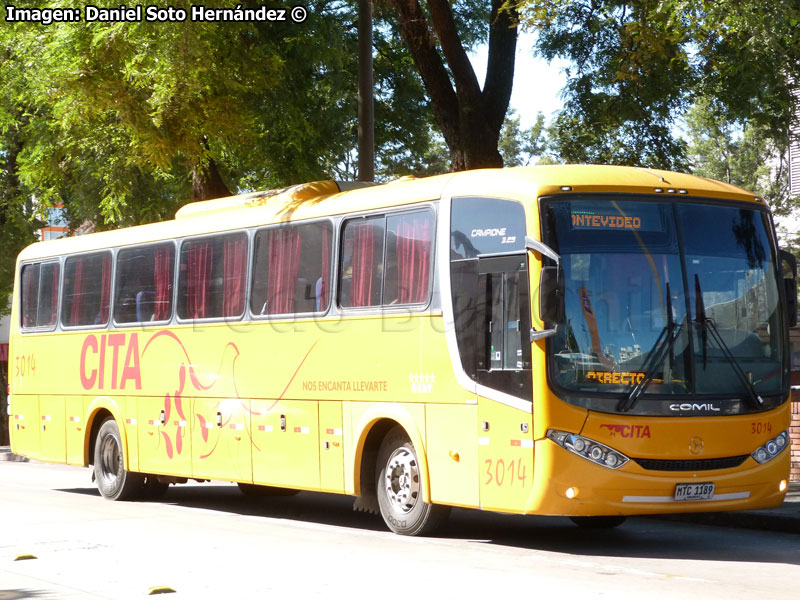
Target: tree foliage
{"type": "Point", "coordinates": [638, 65]}
{"type": "Point", "coordinates": [125, 122]}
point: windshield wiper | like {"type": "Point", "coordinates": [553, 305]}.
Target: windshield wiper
{"type": "Point", "coordinates": [708, 325]}
{"type": "Point", "coordinates": [663, 345]}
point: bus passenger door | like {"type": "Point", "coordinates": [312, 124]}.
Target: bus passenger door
{"type": "Point", "coordinates": [286, 443]}
{"type": "Point", "coordinates": [221, 439]}
{"type": "Point", "coordinates": [505, 416]}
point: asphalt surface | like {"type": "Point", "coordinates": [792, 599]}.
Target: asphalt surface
{"type": "Point", "coordinates": [784, 518]}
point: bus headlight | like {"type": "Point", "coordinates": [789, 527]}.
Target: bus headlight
{"type": "Point", "coordinates": [764, 454]}
{"type": "Point", "coordinates": [589, 449]}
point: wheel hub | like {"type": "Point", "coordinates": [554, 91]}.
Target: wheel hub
{"type": "Point", "coordinates": [402, 480]}
{"type": "Point", "coordinates": [110, 460]}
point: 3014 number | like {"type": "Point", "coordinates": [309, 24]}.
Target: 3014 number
{"type": "Point", "coordinates": [24, 365]}
{"type": "Point", "coordinates": [502, 473]}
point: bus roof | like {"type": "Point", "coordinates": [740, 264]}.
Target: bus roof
{"type": "Point", "coordinates": [325, 198]}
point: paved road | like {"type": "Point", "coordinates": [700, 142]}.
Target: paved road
{"type": "Point", "coordinates": [209, 541]}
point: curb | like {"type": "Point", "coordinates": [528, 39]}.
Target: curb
{"type": "Point", "coordinates": [7, 456]}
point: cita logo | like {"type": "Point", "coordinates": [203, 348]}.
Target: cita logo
{"type": "Point", "coordinates": [628, 431]}
{"type": "Point", "coordinates": [110, 361]}
{"type": "Point", "coordinates": [692, 407]}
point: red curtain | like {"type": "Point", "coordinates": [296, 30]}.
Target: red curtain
{"type": "Point", "coordinates": [363, 250]}
{"type": "Point", "coordinates": [326, 270]}
{"type": "Point", "coordinates": [284, 263]}
{"type": "Point", "coordinates": [105, 289]}
{"type": "Point", "coordinates": [414, 241]}
{"type": "Point", "coordinates": [199, 261]}
{"type": "Point", "coordinates": [28, 301]}
{"type": "Point", "coordinates": [235, 257]}
{"type": "Point", "coordinates": [54, 297]}
{"type": "Point", "coordinates": [162, 279]}
{"type": "Point", "coordinates": [77, 293]}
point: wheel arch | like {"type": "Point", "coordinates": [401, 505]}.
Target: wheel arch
{"type": "Point", "coordinates": [373, 427]}
{"type": "Point", "coordinates": [99, 410]}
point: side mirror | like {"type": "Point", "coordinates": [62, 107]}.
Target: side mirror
{"type": "Point", "coordinates": [551, 295]}
{"type": "Point", "coordinates": [789, 269]}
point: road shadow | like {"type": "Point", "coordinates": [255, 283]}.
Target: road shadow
{"type": "Point", "coordinates": [21, 594]}
{"type": "Point", "coordinates": [640, 537]}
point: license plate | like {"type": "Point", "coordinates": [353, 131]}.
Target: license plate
{"type": "Point", "coordinates": [694, 491]}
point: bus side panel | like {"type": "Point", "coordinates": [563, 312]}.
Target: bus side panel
{"type": "Point", "coordinates": [221, 439]}
{"type": "Point", "coordinates": [286, 443]}
{"type": "Point", "coordinates": [132, 432]}
{"type": "Point", "coordinates": [24, 425]}
{"type": "Point", "coordinates": [164, 447]}
{"type": "Point", "coordinates": [331, 457]}
{"type": "Point", "coordinates": [452, 453]}
{"type": "Point", "coordinates": [505, 456]}
{"type": "Point", "coordinates": [75, 434]}
{"type": "Point", "coordinates": [53, 440]}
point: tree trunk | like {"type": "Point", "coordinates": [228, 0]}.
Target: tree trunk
{"type": "Point", "coordinates": [207, 183]}
{"type": "Point", "coordinates": [469, 117]}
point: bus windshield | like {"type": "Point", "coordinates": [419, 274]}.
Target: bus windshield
{"type": "Point", "coordinates": [679, 299]}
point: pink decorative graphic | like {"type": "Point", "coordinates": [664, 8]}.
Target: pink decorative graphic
{"type": "Point", "coordinates": [174, 439]}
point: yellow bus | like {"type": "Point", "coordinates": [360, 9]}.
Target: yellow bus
{"type": "Point", "coordinates": [586, 341]}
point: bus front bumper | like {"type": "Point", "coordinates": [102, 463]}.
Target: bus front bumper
{"type": "Point", "coordinates": [569, 485]}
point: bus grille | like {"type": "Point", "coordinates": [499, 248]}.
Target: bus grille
{"type": "Point", "coordinates": [704, 464]}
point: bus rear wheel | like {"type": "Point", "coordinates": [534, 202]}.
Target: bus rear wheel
{"type": "Point", "coordinates": [113, 481]}
{"type": "Point", "coordinates": [608, 522]}
{"type": "Point", "coordinates": [400, 488]}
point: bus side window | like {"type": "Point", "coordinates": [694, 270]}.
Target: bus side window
{"type": "Point", "coordinates": [291, 269]}
{"type": "Point", "coordinates": [144, 282]}
{"type": "Point", "coordinates": [40, 294]}
{"type": "Point", "coordinates": [212, 277]}
{"type": "Point", "coordinates": [87, 290]}
{"type": "Point", "coordinates": [361, 268]}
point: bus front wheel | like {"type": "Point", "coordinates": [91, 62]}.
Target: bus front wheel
{"type": "Point", "coordinates": [400, 488]}
{"type": "Point", "coordinates": [113, 481]}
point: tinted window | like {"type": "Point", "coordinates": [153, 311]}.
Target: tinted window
{"type": "Point", "coordinates": [409, 242]}
{"type": "Point", "coordinates": [212, 277]}
{"type": "Point", "coordinates": [143, 290]}
{"type": "Point", "coordinates": [361, 265]}
{"type": "Point", "coordinates": [486, 226]}
{"type": "Point", "coordinates": [39, 291]}
{"type": "Point", "coordinates": [87, 290]}
{"type": "Point", "coordinates": [291, 269]}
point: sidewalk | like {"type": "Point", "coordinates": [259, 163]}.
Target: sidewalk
{"type": "Point", "coordinates": [6, 455]}
{"type": "Point", "coordinates": [785, 518]}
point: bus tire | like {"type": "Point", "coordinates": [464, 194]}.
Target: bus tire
{"type": "Point", "coordinates": [113, 481]}
{"type": "Point", "coordinates": [608, 522]}
{"type": "Point", "coordinates": [255, 490]}
{"type": "Point", "coordinates": [400, 488]}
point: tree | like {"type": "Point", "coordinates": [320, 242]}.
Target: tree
{"type": "Point", "coordinates": [521, 147]}
{"type": "Point", "coordinates": [470, 118]}
{"type": "Point", "coordinates": [741, 153]}
{"type": "Point", "coordinates": [125, 122]}
{"type": "Point", "coordinates": [639, 65]}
